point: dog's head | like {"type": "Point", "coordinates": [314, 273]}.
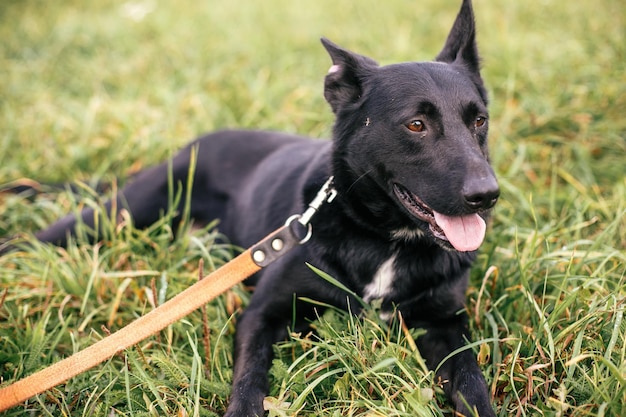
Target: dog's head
{"type": "Point", "coordinates": [411, 141]}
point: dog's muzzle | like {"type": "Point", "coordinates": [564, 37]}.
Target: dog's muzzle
{"type": "Point", "coordinates": [464, 233]}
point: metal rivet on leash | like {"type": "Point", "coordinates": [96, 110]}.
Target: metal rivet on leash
{"type": "Point", "coordinates": [277, 244]}
{"type": "Point", "coordinates": [258, 256]}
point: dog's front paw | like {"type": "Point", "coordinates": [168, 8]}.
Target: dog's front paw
{"type": "Point", "coordinates": [483, 410]}
{"type": "Point", "coordinates": [472, 398]}
{"type": "Point", "coordinates": [239, 411]}
{"type": "Point", "coordinates": [245, 406]}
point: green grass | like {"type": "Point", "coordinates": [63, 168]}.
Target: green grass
{"type": "Point", "coordinates": [92, 91]}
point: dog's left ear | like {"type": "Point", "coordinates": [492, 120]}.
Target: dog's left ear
{"type": "Point", "coordinates": [343, 84]}
{"type": "Point", "coordinates": [460, 47]}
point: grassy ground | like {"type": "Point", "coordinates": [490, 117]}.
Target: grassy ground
{"type": "Point", "coordinates": [97, 90]}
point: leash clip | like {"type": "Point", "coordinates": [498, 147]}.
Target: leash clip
{"type": "Point", "coordinates": [326, 194]}
{"type": "Point", "coordinates": [284, 239]}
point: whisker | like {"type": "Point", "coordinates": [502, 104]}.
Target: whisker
{"type": "Point", "coordinates": [357, 180]}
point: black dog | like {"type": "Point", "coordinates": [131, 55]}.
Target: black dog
{"type": "Point", "coordinates": [410, 162]}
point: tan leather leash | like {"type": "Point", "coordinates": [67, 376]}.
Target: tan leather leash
{"type": "Point", "coordinates": [247, 263]}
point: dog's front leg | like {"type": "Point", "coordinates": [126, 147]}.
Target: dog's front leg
{"type": "Point", "coordinates": [460, 375]}
{"type": "Point", "coordinates": [256, 334]}
{"type": "Point", "coordinates": [274, 308]}
{"type": "Point", "coordinates": [263, 323]}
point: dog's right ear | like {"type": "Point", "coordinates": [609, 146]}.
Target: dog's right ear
{"type": "Point", "coordinates": [343, 84]}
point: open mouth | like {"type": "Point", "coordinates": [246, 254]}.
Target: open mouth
{"type": "Point", "coordinates": [464, 233]}
{"type": "Point", "coordinates": [419, 209]}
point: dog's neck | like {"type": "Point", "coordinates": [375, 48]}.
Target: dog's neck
{"type": "Point", "coordinates": [366, 204]}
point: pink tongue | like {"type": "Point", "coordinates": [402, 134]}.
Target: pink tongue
{"type": "Point", "coordinates": [465, 233]}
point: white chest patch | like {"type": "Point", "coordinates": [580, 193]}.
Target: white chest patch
{"type": "Point", "coordinates": [382, 283]}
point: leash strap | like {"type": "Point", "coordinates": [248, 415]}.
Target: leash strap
{"type": "Point", "coordinates": [246, 264]}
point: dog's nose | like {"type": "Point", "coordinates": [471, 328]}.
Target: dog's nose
{"type": "Point", "coordinates": [481, 194]}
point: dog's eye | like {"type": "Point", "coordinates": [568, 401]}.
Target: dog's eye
{"type": "Point", "coordinates": [480, 121]}
{"type": "Point", "coordinates": [416, 126]}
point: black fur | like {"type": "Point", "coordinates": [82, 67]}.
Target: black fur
{"type": "Point", "coordinates": [254, 180]}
